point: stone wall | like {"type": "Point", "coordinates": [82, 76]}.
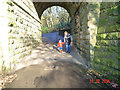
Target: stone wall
{"type": "Point", "coordinates": [80, 32]}
{"type": "Point", "coordinates": [4, 57]}
{"type": "Point", "coordinates": [95, 29]}
{"type": "Point", "coordinates": [93, 19]}
{"type": "Point", "coordinates": [84, 29]}
{"type": "Point", "coordinates": [107, 49]}
{"type": "Point", "coordinates": [96, 34]}
{"type": "Point", "coordinates": [23, 30]}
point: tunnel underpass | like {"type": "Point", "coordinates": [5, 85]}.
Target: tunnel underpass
{"type": "Point", "coordinates": [95, 30]}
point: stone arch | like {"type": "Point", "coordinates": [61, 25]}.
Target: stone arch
{"type": "Point", "coordinates": [42, 6]}
{"type": "Point", "coordinates": [55, 5]}
{"type": "Point", "coordinates": [97, 33]}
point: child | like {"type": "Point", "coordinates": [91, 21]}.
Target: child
{"type": "Point", "coordinates": [60, 44]}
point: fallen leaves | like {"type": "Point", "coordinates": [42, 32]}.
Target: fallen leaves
{"type": "Point", "coordinates": [6, 79]}
{"type": "Point", "coordinates": [112, 83]}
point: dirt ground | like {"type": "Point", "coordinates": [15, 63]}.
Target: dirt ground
{"type": "Point", "coordinates": [48, 68]}
{"type": "Point", "coordinates": [57, 74]}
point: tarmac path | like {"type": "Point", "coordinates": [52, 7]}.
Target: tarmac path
{"type": "Point", "coordinates": [48, 68]}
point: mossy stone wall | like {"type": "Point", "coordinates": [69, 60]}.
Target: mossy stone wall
{"type": "Point", "coordinates": [84, 29]}
{"type": "Point", "coordinates": [24, 32]}
{"type": "Point", "coordinates": [107, 49]}
{"type": "Point", "coordinates": [80, 33]}
{"type": "Point", "coordinates": [96, 35]}
{"type": "Point", "coordinates": [93, 19]}
{"type": "Point", "coordinates": [95, 29]}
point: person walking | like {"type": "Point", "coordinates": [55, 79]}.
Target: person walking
{"type": "Point", "coordinates": [67, 41]}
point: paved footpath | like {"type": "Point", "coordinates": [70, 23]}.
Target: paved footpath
{"type": "Point", "coordinates": [48, 68]}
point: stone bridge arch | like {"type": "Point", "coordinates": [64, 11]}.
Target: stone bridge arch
{"type": "Point", "coordinates": [94, 26]}
{"type": "Point", "coordinates": [42, 6]}
{"type": "Point", "coordinates": [79, 13]}
{"type": "Point", "coordinates": [27, 14]}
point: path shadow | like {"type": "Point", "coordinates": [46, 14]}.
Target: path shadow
{"type": "Point", "coordinates": [73, 52]}
{"type": "Point", "coordinates": [62, 75]}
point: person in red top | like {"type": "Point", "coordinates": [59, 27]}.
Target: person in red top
{"type": "Point", "coordinates": [60, 44]}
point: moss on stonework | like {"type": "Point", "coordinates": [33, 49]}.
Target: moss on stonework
{"type": "Point", "coordinates": [118, 57]}
{"type": "Point", "coordinates": [10, 31]}
{"type": "Point", "coordinates": [11, 23]}
{"type": "Point", "coordinates": [112, 10]}
{"type": "Point", "coordinates": [101, 36]}
{"type": "Point", "coordinates": [116, 18]}
{"type": "Point", "coordinates": [103, 54]}
{"type": "Point", "coordinates": [15, 32]}
{"type": "Point", "coordinates": [106, 59]}
{"type": "Point", "coordinates": [101, 29]}
{"type": "Point", "coordinates": [106, 72]}
{"type": "Point", "coordinates": [102, 22]}
{"type": "Point", "coordinates": [111, 49]}
{"type": "Point", "coordinates": [9, 3]}
{"type": "Point", "coordinates": [104, 42]}
{"type": "Point", "coordinates": [101, 48]}
{"type": "Point", "coordinates": [99, 60]}
{"type": "Point", "coordinates": [112, 36]}
{"type": "Point", "coordinates": [115, 73]}
{"type": "Point", "coordinates": [108, 62]}
{"type": "Point", "coordinates": [107, 55]}
{"type": "Point", "coordinates": [109, 36]}
{"type": "Point", "coordinates": [119, 35]}
{"type": "Point", "coordinates": [105, 69]}
{"type": "Point", "coordinates": [112, 63]}
{"type": "Point", "coordinates": [106, 21]}
{"type": "Point", "coordinates": [94, 6]}
{"type": "Point", "coordinates": [115, 65]}
{"type": "Point", "coordinates": [111, 28]}
{"type": "Point", "coordinates": [107, 28]}
{"type": "Point", "coordinates": [97, 46]}
{"type": "Point", "coordinates": [107, 43]}
{"type": "Point", "coordinates": [106, 5]}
